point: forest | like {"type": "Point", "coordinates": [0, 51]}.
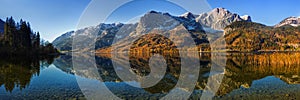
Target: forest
{"type": "Point", "coordinates": [250, 36]}
{"type": "Point", "coordinates": [19, 39]}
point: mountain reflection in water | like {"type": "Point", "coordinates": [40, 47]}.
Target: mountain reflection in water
{"type": "Point", "coordinates": [241, 71]}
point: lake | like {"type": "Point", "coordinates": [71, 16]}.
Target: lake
{"type": "Point", "coordinates": [227, 75]}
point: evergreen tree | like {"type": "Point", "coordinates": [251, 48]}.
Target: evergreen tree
{"type": "Point", "coordinates": [27, 36]}
{"type": "Point", "coordinates": [38, 39]}
{"type": "Point", "coordinates": [22, 34]}
{"type": "Point", "coordinates": [19, 38]}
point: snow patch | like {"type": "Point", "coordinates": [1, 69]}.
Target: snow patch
{"type": "Point", "coordinates": [295, 25]}
{"type": "Point", "coordinates": [168, 27]}
{"type": "Point", "coordinates": [210, 30]}
{"type": "Point", "coordinates": [245, 17]}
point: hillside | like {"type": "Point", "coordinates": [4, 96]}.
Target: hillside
{"type": "Point", "coordinates": [250, 36]}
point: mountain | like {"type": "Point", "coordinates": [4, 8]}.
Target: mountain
{"type": "Point", "coordinates": [293, 21]}
{"type": "Point", "coordinates": [219, 18]}
{"type": "Point", "coordinates": [188, 15]}
{"type": "Point", "coordinates": [246, 18]}
{"type": "Point", "coordinates": [122, 35]}
{"type": "Point", "coordinates": [2, 26]}
{"type": "Point", "coordinates": [212, 23]}
{"type": "Point", "coordinates": [165, 21]}
{"type": "Point", "coordinates": [152, 30]}
{"type": "Point", "coordinates": [64, 42]}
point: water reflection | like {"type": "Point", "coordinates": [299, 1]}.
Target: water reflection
{"type": "Point", "coordinates": [241, 71]}
{"type": "Point", "coordinates": [16, 72]}
{"type": "Point", "coordinates": [139, 64]}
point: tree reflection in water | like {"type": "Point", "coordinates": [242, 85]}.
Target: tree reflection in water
{"type": "Point", "coordinates": [16, 72]}
{"type": "Point", "coordinates": [244, 68]}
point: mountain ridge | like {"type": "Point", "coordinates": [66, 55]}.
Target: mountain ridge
{"type": "Point", "coordinates": [189, 21]}
{"type": "Point", "coordinates": [228, 23]}
{"type": "Point", "coordinates": [293, 21]}
{"type": "Point", "coordinates": [152, 21]}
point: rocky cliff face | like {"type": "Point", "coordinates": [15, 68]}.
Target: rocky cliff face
{"type": "Point", "coordinates": [219, 18]}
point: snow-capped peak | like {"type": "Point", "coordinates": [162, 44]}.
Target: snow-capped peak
{"type": "Point", "coordinates": [219, 18]}
{"type": "Point", "coordinates": [117, 24]}
{"type": "Point", "coordinates": [246, 18]}
{"type": "Point", "coordinates": [220, 11]}
{"type": "Point", "coordinates": [292, 18]}
{"type": "Point", "coordinates": [152, 11]}
{"type": "Point", "coordinates": [188, 15]}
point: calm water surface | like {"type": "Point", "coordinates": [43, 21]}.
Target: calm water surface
{"type": "Point", "coordinates": [246, 76]}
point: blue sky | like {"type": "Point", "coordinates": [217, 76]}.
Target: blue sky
{"type": "Point", "coordinates": [105, 11]}
{"type": "Point", "coordinates": [162, 6]}
{"type": "Point", "coordinates": [50, 17]}
{"type": "Point", "coordinates": [54, 17]}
